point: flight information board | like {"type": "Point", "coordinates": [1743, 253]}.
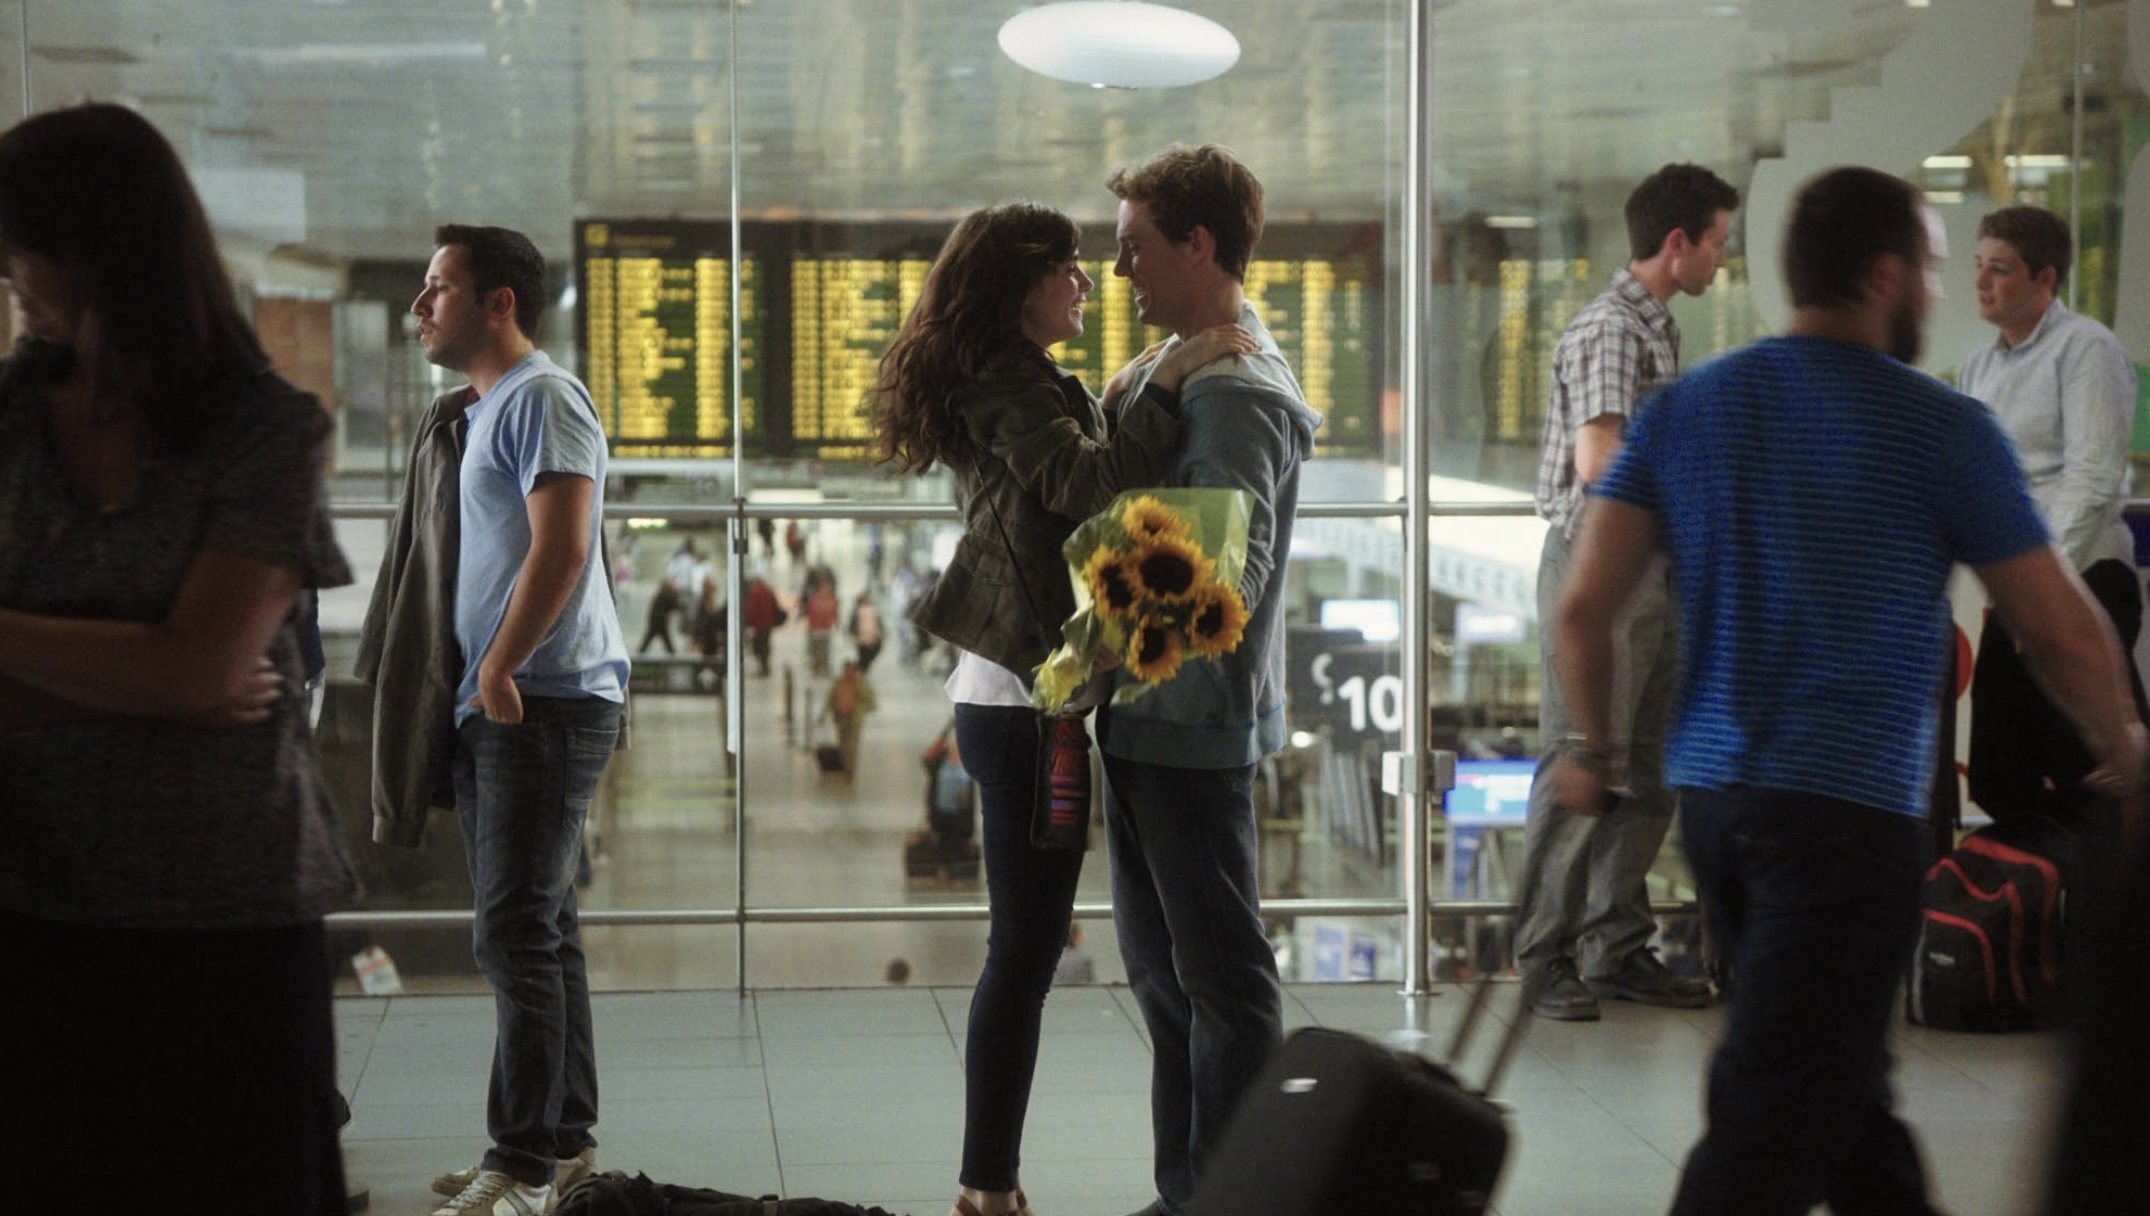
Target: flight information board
{"type": "Point", "coordinates": [655, 299]}
{"type": "Point", "coordinates": [1321, 313]}
{"type": "Point", "coordinates": [820, 303]}
{"type": "Point", "coordinates": [844, 312]}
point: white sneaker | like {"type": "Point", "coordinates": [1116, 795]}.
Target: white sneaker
{"type": "Point", "coordinates": [566, 1172]}
{"type": "Point", "coordinates": [491, 1194]}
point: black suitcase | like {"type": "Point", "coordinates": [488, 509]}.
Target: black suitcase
{"type": "Point", "coordinates": [1338, 1123]}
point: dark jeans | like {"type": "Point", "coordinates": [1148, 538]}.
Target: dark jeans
{"type": "Point", "coordinates": [523, 791]}
{"type": "Point", "coordinates": [2025, 754]}
{"type": "Point", "coordinates": [1186, 898]}
{"type": "Point", "coordinates": [2105, 1122]}
{"type": "Point", "coordinates": [1031, 891]}
{"type": "Point", "coordinates": [195, 1063]}
{"type": "Point", "coordinates": [1816, 902]}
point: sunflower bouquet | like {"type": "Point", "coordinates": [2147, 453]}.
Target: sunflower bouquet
{"type": "Point", "coordinates": [1156, 578]}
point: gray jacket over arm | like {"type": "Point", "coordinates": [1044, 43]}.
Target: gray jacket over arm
{"type": "Point", "coordinates": [407, 648]}
{"type": "Point", "coordinates": [1039, 464]}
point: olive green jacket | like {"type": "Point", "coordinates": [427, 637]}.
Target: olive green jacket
{"type": "Point", "coordinates": [1039, 462]}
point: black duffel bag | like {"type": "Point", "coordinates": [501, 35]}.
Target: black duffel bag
{"type": "Point", "coordinates": [616, 1194]}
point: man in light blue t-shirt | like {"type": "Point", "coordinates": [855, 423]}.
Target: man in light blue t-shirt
{"type": "Point", "coordinates": [1813, 493]}
{"type": "Point", "coordinates": [539, 707]}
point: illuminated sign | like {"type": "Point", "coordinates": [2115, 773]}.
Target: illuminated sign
{"type": "Point", "coordinates": [819, 303]}
{"type": "Point", "coordinates": [655, 300]}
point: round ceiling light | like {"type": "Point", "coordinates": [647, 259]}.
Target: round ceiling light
{"type": "Point", "coordinates": [1122, 43]}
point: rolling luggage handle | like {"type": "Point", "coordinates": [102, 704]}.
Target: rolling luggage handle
{"type": "Point", "coordinates": [1504, 1055]}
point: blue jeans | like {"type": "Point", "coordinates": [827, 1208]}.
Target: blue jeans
{"type": "Point", "coordinates": [1816, 902]}
{"type": "Point", "coordinates": [1186, 898]}
{"type": "Point", "coordinates": [522, 792]}
{"type": "Point", "coordinates": [1031, 892]}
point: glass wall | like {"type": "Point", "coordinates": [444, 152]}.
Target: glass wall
{"type": "Point", "coordinates": [740, 200]}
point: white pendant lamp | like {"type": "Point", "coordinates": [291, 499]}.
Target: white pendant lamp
{"type": "Point", "coordinates": [1125, 44]}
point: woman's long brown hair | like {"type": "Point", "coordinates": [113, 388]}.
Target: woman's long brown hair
{"type": "Point", "coordinates": [99, 191]}
{"type": "Point", "coordinates": [968, 315]}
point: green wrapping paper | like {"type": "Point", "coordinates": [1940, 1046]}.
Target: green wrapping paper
{"type": "Point", "coordinates": [1168, 562]}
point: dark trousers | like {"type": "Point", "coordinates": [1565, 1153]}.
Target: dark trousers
{"type": "Point", "coordinates": [522, 791]}
{"type": "Point", "coordinates": [1031, 892]}
{"type": "Point", "coordinates": [1186, 899]}
{"type": "Point", "coordinates": [200, 1064]}
{"type": "Point", "coordinates": [2105, 1121]}
{"type": "Point", "coordinates": [2025, 754]}
{"type": "Point", "coordinates": [1816, 902]}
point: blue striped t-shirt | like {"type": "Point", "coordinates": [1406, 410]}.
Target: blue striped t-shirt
{"type": "Point", "coordinates": [1813, 496]}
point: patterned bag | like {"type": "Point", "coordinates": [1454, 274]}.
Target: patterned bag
{"type": "Point", "coordinates": [1060, 805]}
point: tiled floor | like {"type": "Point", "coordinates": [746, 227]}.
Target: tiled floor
{"type": "Point", "coordinates": [858, 1095]}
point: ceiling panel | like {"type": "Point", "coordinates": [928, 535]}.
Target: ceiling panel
{"type": "Point", "coordinates": [399, 114]}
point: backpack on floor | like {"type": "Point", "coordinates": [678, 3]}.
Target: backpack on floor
{"type": "Point", "coordinates": [1989, 948]}
{"type": "Point", "coordinates": [616, 1194]}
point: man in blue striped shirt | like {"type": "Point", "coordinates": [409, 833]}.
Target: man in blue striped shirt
{"type": "Point", "coordinates": [1813, 492]}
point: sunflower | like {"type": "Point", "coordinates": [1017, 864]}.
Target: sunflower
{"type": "Point", "coordinates": [1114, 583]}
{"type": "Point", "coordinates": [1170, 569]}
{"type": "Point", "coordinates": [1218, 621]}
{"type": "Point", "coordinates": [1154, 652]}
{"type": "Point", "coordinates": [1148, 520]}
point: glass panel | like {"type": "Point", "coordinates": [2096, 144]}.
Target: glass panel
{"type": "Point", "coordinates": [1541, 127]}
{"type": "Point", "coordinates": [329, 139]}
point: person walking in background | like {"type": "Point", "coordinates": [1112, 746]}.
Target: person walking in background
{"type": "Point", "coordinates": [709, 622]}
{"type": "Point", "coordinates": [817, 602]}
{"type": "Point", "coordinates": [683, 570]}
{"type": "Point", "coordinates": [538, 710]}
{"type": "Point", "coordinates": [1813, 493]}
{"type": "Point", "coordinates": [967, 383]}
{"type": "Point", "coordinates": [762, 614]}
{"type": "Point", "coordinates": [904, 590]}
{"type": "Point", "coordinates": [866, 630]}
{"type": "Point", "coordinates": [2064, 392]}
{"type": "Point", "coordinates": [876, 551]}
{"type": "Point", "coordinates": [171, 849]}
{"type": "Point", "coordinates": [850, 699]}
{"type": "Point", "coordinates": [663, 605]}
{"type": "Point", "coordinates": [1585, 925]}
{"type": "Point", "coordinates": [1179, 762]}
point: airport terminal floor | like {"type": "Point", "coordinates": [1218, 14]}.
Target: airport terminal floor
{"type": "Point", "coordinates": [857, 1095]}
{"type": "Point", "coordinates": [824, 1079]}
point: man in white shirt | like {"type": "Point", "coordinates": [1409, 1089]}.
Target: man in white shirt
{"type": "Point", "coordinates": [2063, 389]}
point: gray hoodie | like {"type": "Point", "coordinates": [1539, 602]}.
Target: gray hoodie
{"type": "Point", "coordinates": [1248, 428]}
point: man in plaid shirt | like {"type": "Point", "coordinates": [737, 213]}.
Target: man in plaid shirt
{"type": "Point", "coordinates": [1586, 909]}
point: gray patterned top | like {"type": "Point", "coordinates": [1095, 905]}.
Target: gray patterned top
{"type": "Point", "coordinates": [146, 822]}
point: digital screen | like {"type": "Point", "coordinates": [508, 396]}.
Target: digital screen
{"type": "Point", "coordinates": [821, 301]}
{"type": "Point", "coordinates": [1320, 311]}
{"type": "Point", "coordinates": [844, 312]}
{"type": "Point", "coordinates": [655, 300]}
{"type": "Point", "coordinates": [1376, 620]}
{"type": "Point", "coordinates": [1491, 791]}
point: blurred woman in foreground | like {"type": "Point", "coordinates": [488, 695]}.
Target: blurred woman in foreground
{"type": "Point", "coordinates": [168, 850]}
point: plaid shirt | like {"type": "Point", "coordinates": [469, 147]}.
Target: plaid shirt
{"type": "Point", "coordinates": [1620, 346]}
